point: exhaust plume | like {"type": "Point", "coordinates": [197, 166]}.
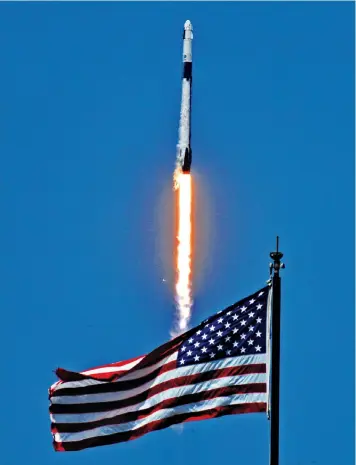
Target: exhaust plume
{"type": "Point", "coordinates": [183, 285]}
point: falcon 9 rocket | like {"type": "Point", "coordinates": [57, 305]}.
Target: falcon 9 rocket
{"type": "Point", "coordinates": [184, 156]}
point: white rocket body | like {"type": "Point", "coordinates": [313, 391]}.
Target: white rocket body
{"type": "Point", "coordinates": [184, 156]}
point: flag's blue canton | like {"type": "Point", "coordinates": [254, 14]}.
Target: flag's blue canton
{"type": "Point", "coordinates": [237, 330]}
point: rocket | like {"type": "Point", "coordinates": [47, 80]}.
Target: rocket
{"type": "Point", "coordinates": [184, 156]}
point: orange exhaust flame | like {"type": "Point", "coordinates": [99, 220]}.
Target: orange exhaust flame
{"type": "Point", "coordinates": [184, 302]}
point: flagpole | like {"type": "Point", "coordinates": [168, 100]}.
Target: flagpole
{"type": "Point", "coordinates": [275, 358]}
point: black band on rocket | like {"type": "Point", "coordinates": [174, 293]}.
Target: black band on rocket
{"type": "Point", "coordinates": [187, 70]}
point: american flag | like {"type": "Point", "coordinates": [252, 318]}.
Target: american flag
{"type": "Point", "coordinates": [217, 368]}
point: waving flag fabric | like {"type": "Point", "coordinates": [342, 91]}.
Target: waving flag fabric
{"type": "Point", "coordinates": [217, 368]}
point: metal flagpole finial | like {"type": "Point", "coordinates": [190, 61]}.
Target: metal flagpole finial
{"type": "Point", "coordinates": [276, 257]}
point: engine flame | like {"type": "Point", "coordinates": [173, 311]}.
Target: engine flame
{"type": "Point", "coordinates": [184, 302]}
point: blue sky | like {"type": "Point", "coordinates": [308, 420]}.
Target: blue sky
{"type": "Point", "coordinates": [89, 113]}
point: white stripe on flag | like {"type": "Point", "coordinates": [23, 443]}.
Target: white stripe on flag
{"type": "Point", "coordinates": [112, 369]}
{"type": "Point", "coordinates": [169, 375]}
{"type": "Point", "coordinates": [161, 397]}
{"type": "Point", "coordinates": [127, 377]}
{"type": "Point", "coordinates": [162, 414]}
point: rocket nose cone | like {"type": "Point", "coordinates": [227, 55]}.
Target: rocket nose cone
{"type": "Point", "coordinates": [188, 26]}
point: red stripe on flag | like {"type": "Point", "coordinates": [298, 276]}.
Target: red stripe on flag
{"type": "Point", "coordinates": [256, 407]}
